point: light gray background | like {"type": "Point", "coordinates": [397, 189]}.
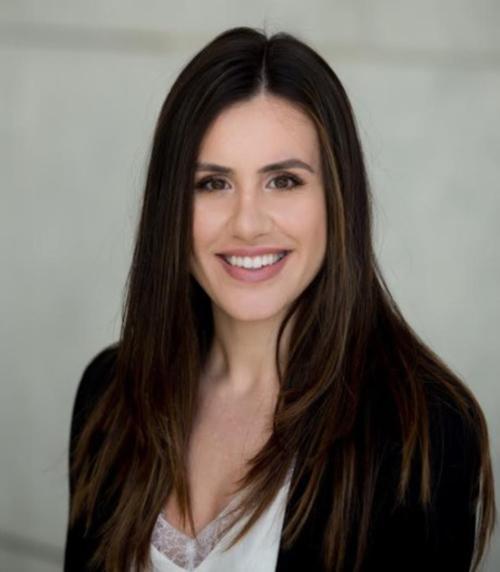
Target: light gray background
{"type": "Point", "coordinates": [81, 85]}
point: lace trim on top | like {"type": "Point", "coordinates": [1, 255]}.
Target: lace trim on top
{"type": "Point", "coordinates": [188, 552]}
{"type": "Point", "coordinates": [185, 551]}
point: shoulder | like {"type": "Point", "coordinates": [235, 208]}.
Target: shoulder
{"type": "Point", "coordinates": [453, 417]}
{"type": "Point", "coordinates": [455, 450]}
{"type": "Point", "coordinates": [96, 376]}
{"type": "Point", "coordinates": [440, 536]}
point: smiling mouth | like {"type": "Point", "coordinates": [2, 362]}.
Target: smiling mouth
{"type": "Point", "coordinates": [255, 275]}
{"type": "Point", "coordinates": [227, 259]}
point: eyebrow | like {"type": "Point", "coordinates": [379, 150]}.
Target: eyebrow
{"type": "Point", "coordinates": [287, 164]}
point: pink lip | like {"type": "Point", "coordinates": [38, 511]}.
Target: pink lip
{"type": "Point", "coordinates": [249, 275]}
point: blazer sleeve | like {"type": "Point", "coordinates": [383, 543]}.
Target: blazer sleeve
{"type": "Point", "coordinates": [79, 546]}
{"type": "Point", "coordinates": [410, 539]}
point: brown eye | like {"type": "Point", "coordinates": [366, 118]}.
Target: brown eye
{"type": "Point", "coordinates": [202, 185]}
{"type": "Point", "coordinates": [296, 182]}
{"type": "Point", "coordinates": [218, 184]}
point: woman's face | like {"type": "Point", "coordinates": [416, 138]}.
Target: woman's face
{"type": "Point", "coordinates": [245, 206]}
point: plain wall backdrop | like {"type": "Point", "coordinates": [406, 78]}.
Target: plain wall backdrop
{"type": "Point", "coordinates": [81, 85]}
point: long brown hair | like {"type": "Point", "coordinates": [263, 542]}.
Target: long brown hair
{"type": "Point", "coordinates": [349, 345]}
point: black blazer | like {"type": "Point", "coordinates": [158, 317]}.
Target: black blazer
{"type": "Point", "coordinates": [398, 540]}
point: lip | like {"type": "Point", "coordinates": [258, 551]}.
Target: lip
{"type": "Point", "coordinates": [255, 251]}
{"type": "Point", "coordinates": [252, 276]}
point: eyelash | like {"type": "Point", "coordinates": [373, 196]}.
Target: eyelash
{"type": "Point", "coordinates": [201, 184]}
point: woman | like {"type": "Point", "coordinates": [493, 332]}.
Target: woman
{"type": "Point", "coordinates": [267, 406]}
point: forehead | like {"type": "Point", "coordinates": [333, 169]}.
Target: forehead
{"type": "Point", "coordinates": [261, 129]}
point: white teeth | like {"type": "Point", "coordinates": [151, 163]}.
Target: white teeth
{"type": "Point", "coordinates": [254, 262]}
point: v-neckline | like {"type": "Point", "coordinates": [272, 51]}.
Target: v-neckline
{"type": "Point", "coordinates": [197, 551]}
{"type": "Point", "coordinates": [210, 524]}
{"type": "Point", "coordinates": [207, 526]}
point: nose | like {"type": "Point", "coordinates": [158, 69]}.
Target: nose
{"type": "Point", "coordinates": [250, 215]}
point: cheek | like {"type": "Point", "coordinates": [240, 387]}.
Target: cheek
{"type": "Point", "coordinates": [307, 221]}
{"type": "Point", "coordinates": [204, 226]}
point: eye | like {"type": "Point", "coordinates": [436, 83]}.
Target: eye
{"type": "Point", "coordinates": [296, 182]}
{"type": "Point", "coordinates": [202, 185]}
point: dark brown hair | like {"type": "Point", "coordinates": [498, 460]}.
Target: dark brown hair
{"type": "Point", "coordinates": [350, 344]}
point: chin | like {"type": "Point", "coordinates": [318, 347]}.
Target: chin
{"type": "Point", "coordinates": [245, 311]}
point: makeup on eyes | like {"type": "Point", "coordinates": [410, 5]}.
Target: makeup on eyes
{"type": "Point", "coordinates": [297, 182]}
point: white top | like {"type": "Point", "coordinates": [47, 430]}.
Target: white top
{"type": "Point", "coordinates": [173, 551]}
